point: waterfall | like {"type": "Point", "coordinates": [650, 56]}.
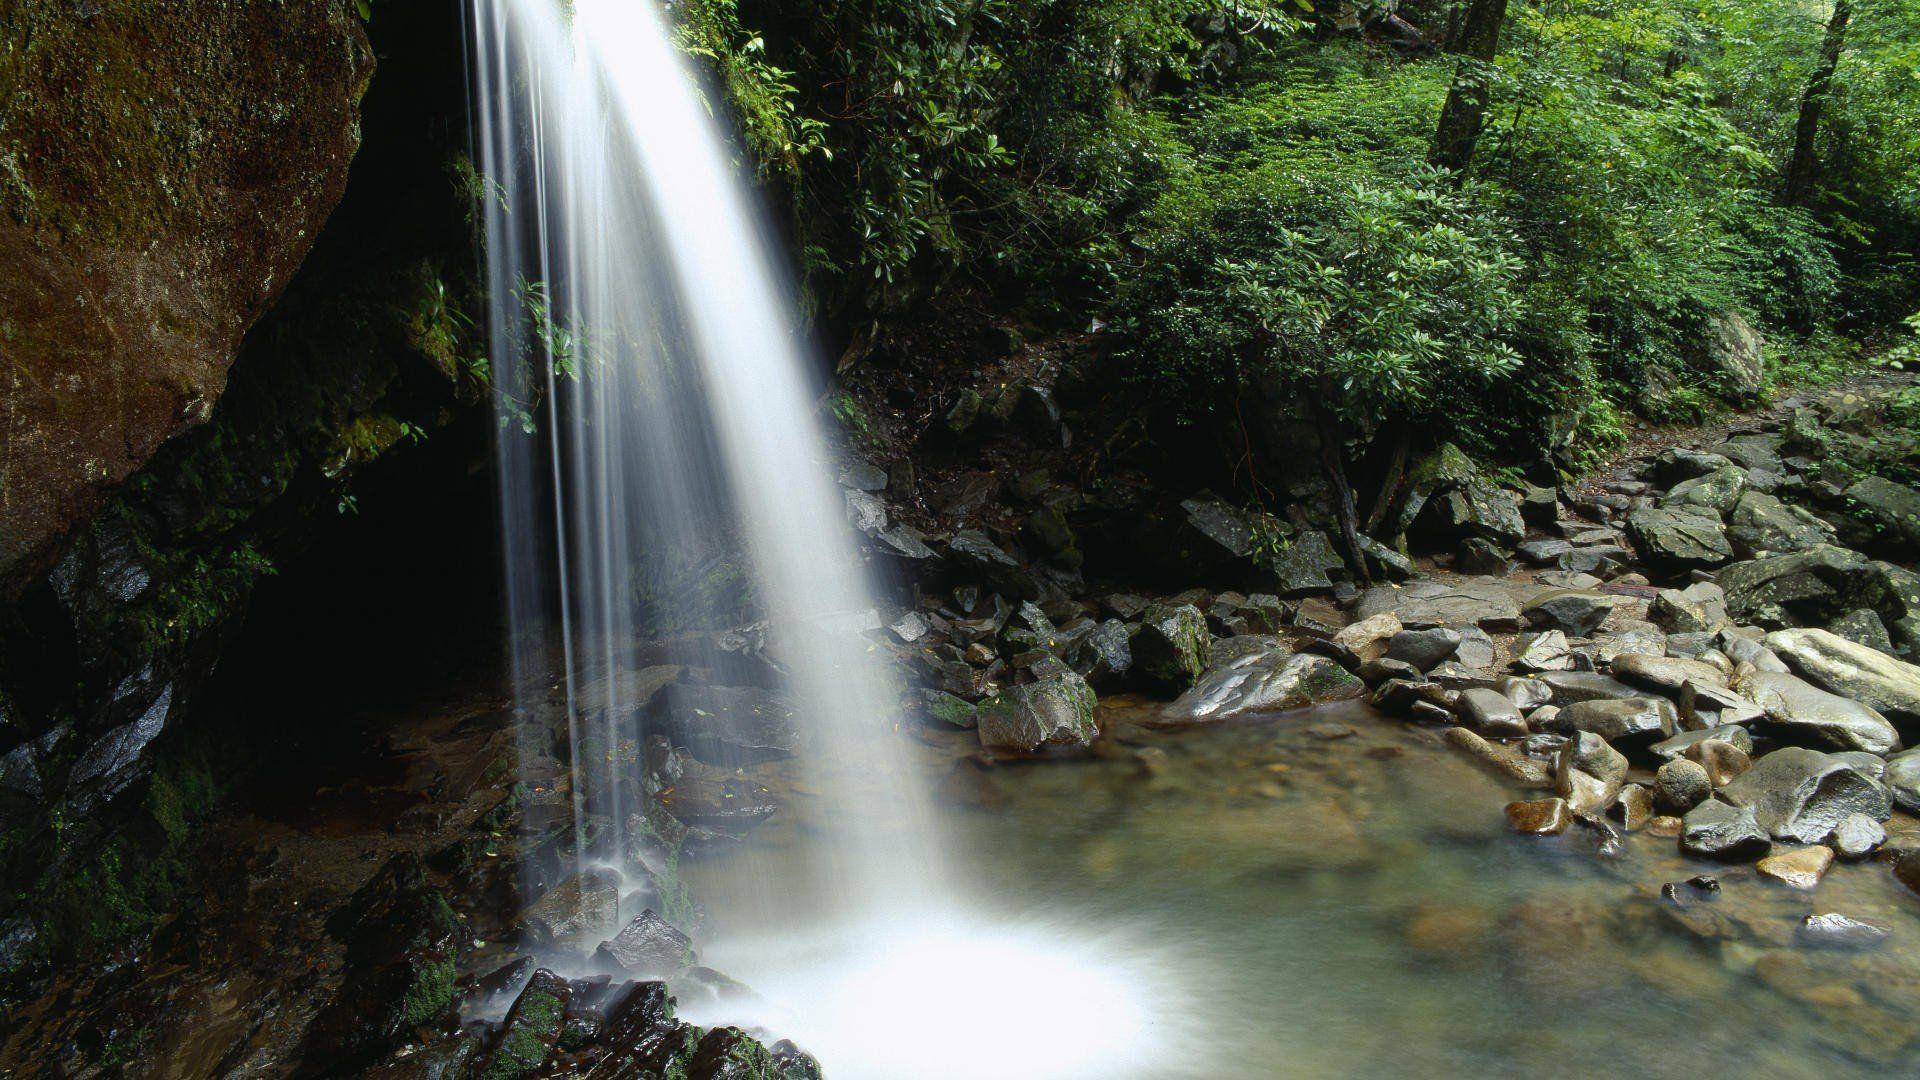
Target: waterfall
{"type": "Point", "coordinates": [659, 425]}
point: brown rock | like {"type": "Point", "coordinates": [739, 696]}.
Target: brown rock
{"type": "Point", "coordinates": [1722, 760]}
{"type": "Point", "coordinates": [1540, 817]}
{"type": "Point", "coordinates": [167, 174]}
{"type": "Point", "coordinates": [1801, 868]}
{"type": "Point", "coordinates": [1664, 825]}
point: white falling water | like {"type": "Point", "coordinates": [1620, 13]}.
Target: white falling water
{"type": "Point", "coordinates": [676, 404]}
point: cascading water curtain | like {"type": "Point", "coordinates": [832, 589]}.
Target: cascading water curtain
{"type": "Point", "coordinates": [655, 405]}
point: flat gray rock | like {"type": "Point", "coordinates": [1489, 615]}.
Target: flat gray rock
{"type": "Point", "coordinates": [1421, 604]}
{"type": "Point", "coordinates": [1801, 708]}
{"type": "Point", "coordinates": [1851, 670]}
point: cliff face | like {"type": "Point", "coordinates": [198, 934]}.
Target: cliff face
{"type": "Point", "coordinates": [164, 167]}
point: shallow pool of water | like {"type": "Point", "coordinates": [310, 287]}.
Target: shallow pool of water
{"type": "Point", "coordinates": [1324, 893]}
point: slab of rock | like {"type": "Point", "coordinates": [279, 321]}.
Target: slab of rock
{"type": "Point", "coordinates": [1422, 604]}
{"type": "Point", "coordinates": [1368, 638]}
{"type": "Point", "coordinates": [1267, 682]}
{"type": "Point", "coordinates": [1305, 564]}
{"type": "Point", "coordinates": [1169, 646]}
{"type": "Point", "coordinates": [1716, 491]}
{"type": "Point", "coordinates": [1572, 611]}
{"type": "Point", "coordinates": [1544, 651]}
{"type": "Point", "coordinates": [576, 913]}
{"type": "Point", "coordinates": [1632, 721]}
{"type": "Point", "coordinates": [1666, 674]}
{"type": "Point", "coordinates": [1893, 510]}
{"type": "Point", "coordinates": [974, 554]}
{"type": "Point", "coordinates": [1711, 705]}
{"type": "Point", "coordinates": [1424, 649]}
{"type": "Point", "coordinates": [1698, 608]}
{"type": "Point", "coordinates": [1676, 747]}
{"type": "Point", "coordinates": [1761, 525]}
{"type": "Point", "coordinates": [1798, 868]}
{"type": "Point", "coordinates": [1539, 817]}
{"type": "Point", "coordinates": [1857, 836]}
{"type": "Point", "coordinates": [1832, 930]}
{"type": "Point", "coordinates": [1055, 711]}
{"type": "Point", "coordinates": [1802, 795]}
{"type": "Point", "coordinates": [1851, 670]}
{"type": "Point", "coordinates": [1716, 830]}
{"type": "Point", "coordinates": [1723, 760]}
{"type": "Point", "coordinates": [1810, 586]}
{"type": "Point", "coordinates": [1800, 708]}
{"type": "Point", "coordinates": [1902, 777]}
{"type": "Point", "coordinates": [1677, 539]}
{"type": "Point", "coordinates": [1571, 687]}
{"type": "Point", "coordinates": [647, 947]}
{"type": "Point", "coordinates": [1490, 713]}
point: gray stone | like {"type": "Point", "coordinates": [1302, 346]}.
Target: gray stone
{"type": "Point", "coordinates": [1729, 346]}
{"type": "Point", "coordinates": [1490, 713]}
{"type": "Point", "coordinates": [1305, 563]}
{"type": "Point", "coordinates": [1747, 650]}
{"type": "Point", "coordinates": [1629, 721]}
{"type": "Point", "coordinates": [1680, 785]}
{"type": "Point", "coordinates": [1593, 755]}
{"type": "Point", "coordinates": [1528, 694]}
{"type": "Point", "coordinates": [1716, 491]}
{"type": "Point", "coordinates": [1169, 646]}
{"type": "Point", "coordinates": [1863, 627]}
{"type": "Point", "coordinates": [1700, 607]}
{"type": "Point", "coordinates": [1424, 649]}
{"type": "Point", "coordinates": [1677, 539]}
{"type": "Point", "coordinates": [1891, 510]}
{"type": "Point", "coordinates": [1476, 651]}
{"type": "Point", "coordinates": [577, 913]}
{"type": "Point", "coordinates": [1669, 749]}
{"type": "Point", "coordinates": [1055, 711]}
{"type": "Point", "coordinates": [1267, 682]}
{"type": "Point", "coordinates": [1902, 777]}
{"type": "Point", "coordinates": [1800, 588]}
{"type": "Point", "coordinates": [1760, 525]}
{"type": "Point", "coordinates": [1716, 830]}
{"type": "Point", "coordinates": [1543, 552]}
{"type": "Point", "coordinates": [1570, 687]}
{"type": "Point", "coordinates": [1711, 705]}
{"type": "Point", "coordinates": [1832, 930]}
{"type": "Point", "coordinates": [1423, 604]}
{"type": "Point", "coordinates": [1857, 836]}
{"type": "Point", "coordinates": [1665, 674]}
{"type": "Point", "coordinates": [648, 947]}
{"type": "Point", "coordinates": [1546, 651]}
{"type": "Point", "coordinates": [1851, 670]}
{"type": "Point", "coordinates": [980, 557]}
{"type": "Point", "coordinates": [1573, 612]}
{"type": "Point", "coordinates": [1803, 709]}
{"type": "Point", "coordinates": [1802, 795]}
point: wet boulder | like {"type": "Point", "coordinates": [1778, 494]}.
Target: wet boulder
{"type": "Point", "coordinates": [1698, 608]}
{"type": "Point", "coordinates": [1571, 687]}
{"type": "Point", "coordinates": [1717, 491]}
{"type": "Point", "coordinates": [1890, 510]}
{"type": "Point", "coordinates": [1760, 525]}
{"type": "Point", "coordinates": [727, 726]}
{"type": "Point", "coordinates": [1485, 604]}
{"type": "Point", "coordinates": [1802, 795]}
{"type": "Point", "coordinates": [1574, 612]}
{"type": "Point", "coordinates": [1718, 830]}
{"type": "Point", "coordinates": [1305, 562]}
{"type": "Point", "coordinates": [1810, 586]}
{"type": "Point", "coordinates": [1799, 708]}
{"type": "Point", "coordinates": [1423, 648]}
{"type": "Point", "coordinates": [1902, 777]}
{"type": "Point", "coordinates": [1851, 670]}
{"type": "Point", "coordinates": [1169, 646]}
{"type": "Point", "coordinates": [1678, 539]}
{"type": "Point", "coordinates": [1680, 785]}
{"type": "Point", "coordinates": [1729, 346]}
{"type": "Point", "coordinates": [576, 913]}
{"type": "Point", "coordinates": [1263, 682]}
{"type": "Point", "coordinates": [1054, 712]}
{"type": "Point", "coordinates": [531, 1030]}
{"type": "Point", "coordinates": [979, 557]}
{"type": "Point", "coordinates": [1368, 639]}
{"type": "Point", "coordinates": [1665, 674]}
{"type": "Point", "coordinates": [1712, 705]}
{"type": "Point", "coordinates": [1490, 713]}
{"type": "Point", "coordinates": [1632, 721]}
{"type": "Point", "coordinates": [400, 939]}
{"type": "Point", "coordinates": [648, 946]}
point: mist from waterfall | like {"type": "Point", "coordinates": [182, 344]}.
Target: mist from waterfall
{"type": "Point", "coordinates": [659, 418]}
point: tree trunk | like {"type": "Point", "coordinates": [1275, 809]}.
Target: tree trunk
{"type": "Point", "coordinates": [1800, 167]}
{"type": "Point", "coordinates": [1333, 463]}
{"type": "Point", "coordinates": [1466, 106]}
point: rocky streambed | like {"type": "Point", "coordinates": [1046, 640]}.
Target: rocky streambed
{"type": "Point", "coordinates": [1608, 776]}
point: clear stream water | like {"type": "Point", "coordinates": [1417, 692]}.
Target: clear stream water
{"type": "Point", "coordinates": [1275, 902]}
